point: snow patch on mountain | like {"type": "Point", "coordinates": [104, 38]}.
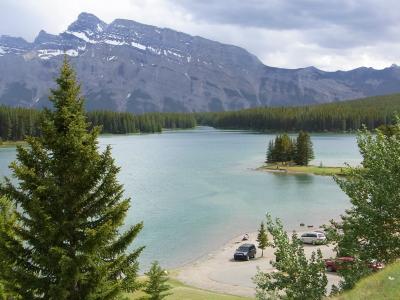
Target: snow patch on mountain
{"type": "Point", "coordinates": [82, 36]}
{"type": "Point", "coordinates": [49, 53]}
{"type": "Point", "coordinates": [137, 45]}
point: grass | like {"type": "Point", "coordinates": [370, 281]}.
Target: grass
{"type": "Point", "coordinates": [316, 170]}
{"type": "Point", "coordinates": [181, 291]}
{"type": "Point", "coordinates": [383, 285]}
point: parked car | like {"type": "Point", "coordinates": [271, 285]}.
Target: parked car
{"type": "Point", "coordinates": [245, 252]}
{"type": "Point", "coordinates": [339, 263]}
{"type": "Point", "coordinates": [345, 262]}
{"type": "Point", "coordinates": [315, 238]}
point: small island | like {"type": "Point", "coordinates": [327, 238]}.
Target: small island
{"type": "Point", "coordinates": [292, 156]}
{"type": "Point", "coordinates": [296, 169]}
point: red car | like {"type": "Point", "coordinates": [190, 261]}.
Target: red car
{"type": "Point", "coordinates": [340, 263]}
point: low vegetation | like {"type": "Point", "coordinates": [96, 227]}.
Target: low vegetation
{"type": "Point", "coordinates": [181, 291]}
{"type": "Point", "coordinates": [380, 286]}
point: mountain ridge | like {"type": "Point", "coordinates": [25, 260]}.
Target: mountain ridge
{"type": "Point", "coordinates": [129, 66]}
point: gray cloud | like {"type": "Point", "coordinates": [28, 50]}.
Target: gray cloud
{"type": "Point", "coordinates": [334, 23]}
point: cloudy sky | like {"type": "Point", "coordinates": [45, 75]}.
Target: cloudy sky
{"type": "Point", "coordinates": [331, 35]}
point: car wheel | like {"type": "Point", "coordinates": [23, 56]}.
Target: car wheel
{"type": "Point", "coordinates": [247, 257]}
{"type": "Point", "coordinates": [329, 269]}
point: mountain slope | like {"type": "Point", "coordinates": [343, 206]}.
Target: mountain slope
{"type": "Point", "coordinates": [128, 66]}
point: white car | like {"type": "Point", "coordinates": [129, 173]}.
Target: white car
{"type": "Point", "coordinates": [315, 238]}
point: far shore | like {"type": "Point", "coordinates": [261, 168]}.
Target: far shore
{"type": "Point", "coordinates": [295, 169]}
{"type": "Point", "coordinates": [5, 144]}
{"type": "Point", "coordinates": [218, 272]}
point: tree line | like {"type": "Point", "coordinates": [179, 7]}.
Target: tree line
{"type": "Point", "coordinates": [16, 122]}
{"type": "Point", "coordinates": [333, 117]}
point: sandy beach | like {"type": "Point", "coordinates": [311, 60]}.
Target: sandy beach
{"type": "Point", "coordinates": [218, 272]}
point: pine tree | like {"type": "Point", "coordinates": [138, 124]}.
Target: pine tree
{"type": "Point", "coordinates": [262, 238]}
{"type": "Point", "coordinates": [156, 287]}
{"type": "Point", "coordinates": [304, 149]}
{"type": "Point", "coordinates": [271, 152]}
{"type": "Point", "coordinates": [7, 223]}
{"type": "Point", "coordinates": [283, 148]}
{"type": "Point", "coordinates": [68, 244]}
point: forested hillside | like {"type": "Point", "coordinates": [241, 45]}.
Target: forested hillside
{"type": "Point", "coordinates": [340, 116]}
{"type": "Point", "coordinates": [16, 123]}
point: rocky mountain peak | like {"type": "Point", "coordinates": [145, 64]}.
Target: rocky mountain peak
{"type": "Point", "coordinates": [46, 38]}
{"type": "Point", "coordinates": [87, 27]}
{"type": "Point", "coordinates": [129, 66]}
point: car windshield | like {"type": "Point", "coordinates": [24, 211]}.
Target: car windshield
{"type": "Point", "coordinates": [243, 248]}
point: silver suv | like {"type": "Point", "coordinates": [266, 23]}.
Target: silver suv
{"type": "Point", "coordinates": [315, 238]}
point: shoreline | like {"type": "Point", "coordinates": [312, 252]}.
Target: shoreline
{"type": "Point", "coordinates": [311, 169]}
{"type": "Point", "coordinates": [216, 271]}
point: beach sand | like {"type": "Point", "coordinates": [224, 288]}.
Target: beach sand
{"type": "Point", "coordinates": [218, 272]}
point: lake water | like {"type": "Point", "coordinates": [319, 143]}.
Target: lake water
{"type": "Point", "coordinates": [196, 189]}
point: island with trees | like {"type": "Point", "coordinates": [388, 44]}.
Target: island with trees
{"type": "Point", "coordinates": [293, 155]}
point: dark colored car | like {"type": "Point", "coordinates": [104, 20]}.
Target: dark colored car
{"type": "Point", "coordinates": [345, 262]}
{"type": "Point", "coordinates": [245, 252]}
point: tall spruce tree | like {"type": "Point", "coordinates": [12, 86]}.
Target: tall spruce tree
{"type": "Point", "coordinates": [304, 152]}
{"type": "Point", "coordinates": [271, 153]}
{"type": "Point", "coordinates": [71, 207]}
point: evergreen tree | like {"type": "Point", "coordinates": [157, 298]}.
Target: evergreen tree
{"type": "Point", "coordinates": [68, 243]}
{"type": "Point", "coordinates": [271, 153]}
{"type": "Point", "coordinates": [281, 150]}
{"type": "Point", "coordinates": [156, 287]}
{"type": "Point", "coordinates": [370, 228]}
{"type": "Point", "coordinates": [296, 278]}
{"type": "Point", "coordinates": [304, 149]}
{"type": "Point", "coordinates": [8, 219]}
{"type": "Point", "coordinates": [262, 238]}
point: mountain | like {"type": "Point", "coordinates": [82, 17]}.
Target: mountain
{"type": "Point", "coordinates": [129, 66]}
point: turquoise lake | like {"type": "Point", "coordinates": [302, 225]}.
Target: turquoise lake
{"type": "Point", "coordinates": [196, 189]}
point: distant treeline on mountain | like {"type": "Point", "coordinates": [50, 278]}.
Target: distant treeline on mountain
{"type": "Point", "coordinates": [335, 117]}
{"type": "Point", "coordinates": [16, 123]}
